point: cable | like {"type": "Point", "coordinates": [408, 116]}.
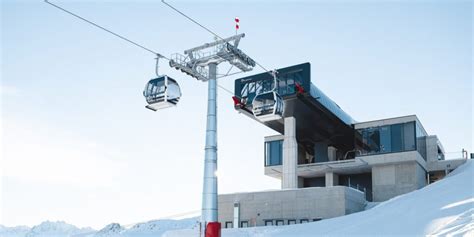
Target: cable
{"type": "Point", "coordinates": [105, 29]}
{"type": "Point", "coordinates": [208, 30]}
{"type": "Point", "coordinates": [225, 89]}
{"type": "Point", "coordinates": [158, 55]}
{"type": "Point", "coordinates": [191, 19]}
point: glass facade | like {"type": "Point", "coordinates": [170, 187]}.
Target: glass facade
{"type": "Point", "coordinates": [388, 138]}
{"type": "Point", "coordinates": [286, 86]}
{"type": "Point", "coordinates": [273, 153]}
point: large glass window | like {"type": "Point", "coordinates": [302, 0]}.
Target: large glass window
{"type": "Point", "coordinates": [273, 153]}
{"type": "Point", "coordinates": [285, 85]}
{"type": "Point", "coordinates": [397, 137]}
{"type": "Point", "coordinates": [421, 140]}
{"type": "Point", "coordinates": [385, 139]}
{"type": "Point", "coordinates": [388, 138]}
{"type": "Point", "coordinates": [408, 138]}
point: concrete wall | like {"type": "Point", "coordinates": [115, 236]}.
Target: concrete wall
{"type": "Point", "coordinates": [294, 204]}
{"type": "Point", "coordinates": [392, 180]}
{"type": "Point", "coordinates": [431, 149]}
{"type": "Point", "coordinates": [331, 179]}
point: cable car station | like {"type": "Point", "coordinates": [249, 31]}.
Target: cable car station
{"type": "Point", "coordinates": [329, 164]}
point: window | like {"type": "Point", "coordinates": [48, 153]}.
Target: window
{"type": "Point", "coordinates": [420, 140]}
{"type": "Point", "coordinates": [259, 87]}
{"type": "Point", "coordinates": [387, 139]}
{"type": "Point", "coordinates": [282, 87]}
{"type": "Point", "coordinates": [317, 219]}
{"type": "Point", "coordinates": [397, 137]}
{"type": "Point", "coordinates": [268, 222]}
{"type": "Point", "coordinates": [228, 224]}
{"type": "Point", "coordinates": [273, 152]}
{"type": "Point", "coordinates": [251, 87]}
{"type": "Point", "coordinates": [291, 222]}
{"type": "Point", "coordinates": [244, 224]}
{"type": "Point", "coordinates": [304, 221]}
{"type": "Point", "coordinates": [280, 222]}
{"type": "Point", "coordinates": [372, 140]}
{"type": "Point", "coordinates": [245, 90]}
{"type": "Point", "coordinates": [290, 86]}
{"type": "Point", "coordinates": [408, 137]}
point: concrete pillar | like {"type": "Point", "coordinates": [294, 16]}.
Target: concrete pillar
{"type": "Point", "coordinates": [332, 153]}
{"type": "Point", "coordinates": [290, 155]}
{"type": "Point", "coordinates": [332, 179]}
{"type": "Point", "coordinates": [321, 152]}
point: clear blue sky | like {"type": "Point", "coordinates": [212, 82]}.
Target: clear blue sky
{"type": "Point", "coordinates": [79, 146]}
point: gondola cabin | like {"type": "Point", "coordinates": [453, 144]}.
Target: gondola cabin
{"type": "Point", "coordinates": [162, 92]}
{"type": "Point", "coordinates": [268, 106]}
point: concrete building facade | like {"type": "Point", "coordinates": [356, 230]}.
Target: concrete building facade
{"type": "Point", "coordinates": [329, 164]}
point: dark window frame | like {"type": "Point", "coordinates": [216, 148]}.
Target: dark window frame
{"type": "Point", "coordinates": [268, 154]}
{"type": "Point", "coordinates": [279, 221]}
{"type": "Point", "coordinates": [231, 224]}
{"type": "Point", "coordinates": [268, 221]}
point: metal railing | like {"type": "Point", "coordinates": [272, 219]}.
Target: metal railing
{"type": "Point", "coordinates": [463, 154]}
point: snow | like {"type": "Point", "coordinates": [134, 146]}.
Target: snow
{"type": "Point", "coordinates": [445, 208]}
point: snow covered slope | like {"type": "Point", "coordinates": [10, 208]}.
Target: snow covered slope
{"type": "Point", "coordinates": [443, 208]}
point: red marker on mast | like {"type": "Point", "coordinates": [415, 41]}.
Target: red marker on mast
{"type": "Point", "coordinates": [236, 24]}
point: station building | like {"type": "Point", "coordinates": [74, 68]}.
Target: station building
{"type": "Point", "coordinates": [328, 163]}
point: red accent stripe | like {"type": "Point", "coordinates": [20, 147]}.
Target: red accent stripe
{"type": "Point", "coordinates": [299, 88]}
{"type": "Point", "coordinates": [236, 100]}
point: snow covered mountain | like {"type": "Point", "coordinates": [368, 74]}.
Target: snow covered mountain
{"type": "Point", "coordinates": [45, 229]}
{"type": "Point", "coordinates": [62, 229]}
{"type": "Point", "coordinates": [13, 231]}
{"type": "Point", "coordinates": [445, 208]}
{"type": "Point", "coordinates": [158, 227]}
{"type": "Point", "coordinates": [113, 229]}
{"type": "Point", "coordinates": [146, 229]}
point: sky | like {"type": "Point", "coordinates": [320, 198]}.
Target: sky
{"type": "Point", "coordinates": [78, 145]}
